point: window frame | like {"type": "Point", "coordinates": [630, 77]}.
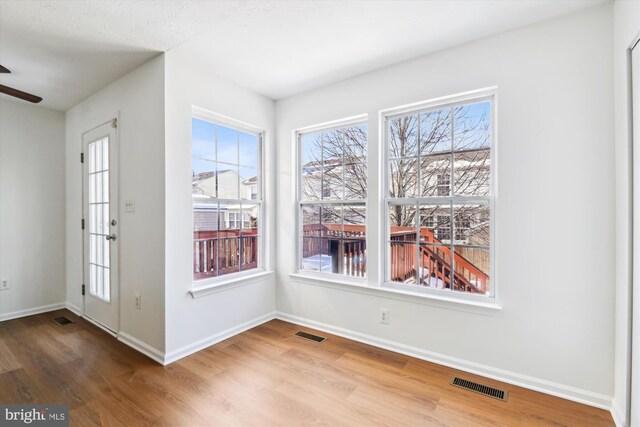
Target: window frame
{"type": "Point", "coordinates": [385, 116]}
{"type": "Point", "coordinates": [240, 126]}
{"type": "Point", "coordinates": [300, 203]}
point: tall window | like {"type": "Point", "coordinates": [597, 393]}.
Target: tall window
{"type": "Point", "coordinates": [332, 178]}
{"type": "Point", "coordinates": [227, 199]}
{"type": "Point", "coordinates": [439, 197]}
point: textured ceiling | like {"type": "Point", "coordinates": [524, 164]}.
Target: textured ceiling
{"type": "Point", "coordinates": [66, 50]}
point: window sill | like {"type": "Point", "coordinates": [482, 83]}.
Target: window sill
{"type": "Point", "coordinates": [216, 286]}
{"type": "Point", "coordinates": [490, 308]}
{"type": "Point", "coordinates": [337, 279]}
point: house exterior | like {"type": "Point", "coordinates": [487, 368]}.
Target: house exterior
{"type": "Point", "coordinates": [224, 229]}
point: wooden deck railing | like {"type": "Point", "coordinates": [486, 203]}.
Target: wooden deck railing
{"type": "Point", "coordinates": [347, 242]}
{"type": "Point", "coordinates": [229, 251]}
{"type": "Point", "coordinates": [222, 252]}
{"type": "Point", "coordinates": [435, 259]}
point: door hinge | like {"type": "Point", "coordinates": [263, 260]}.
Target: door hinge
{"type": "Point", "coordinates": [82, 223]}
{"type": "Point", "coordinates": [114, 123]}
{"type": "Point", "coordinates": [82, 289]}
{"type": "Point", "coordinates": [81, 157]}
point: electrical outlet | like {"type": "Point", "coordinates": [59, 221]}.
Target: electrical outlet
{"type": "Point", "coordinates": [384, 316]}
{"type": "Point", "coordinates": [5, 285]}
{"type": "Point", "coordinates": [138, 301]}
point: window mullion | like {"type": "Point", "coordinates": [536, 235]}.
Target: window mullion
{"type": "Point", "coordinates": [452, 189]}
{"type": "Point", "coordinates": [224, 240]}
{"type": "Point", "coordinates": [465, 120]}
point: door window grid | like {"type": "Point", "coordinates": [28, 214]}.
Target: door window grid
{"type": "Point", "coordinates": [98, 194]}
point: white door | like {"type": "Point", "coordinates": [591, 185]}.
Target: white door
{"type": "Point", "coordinates": [100, 219]}
{"type": "Point", "coordinates": [635, 315]}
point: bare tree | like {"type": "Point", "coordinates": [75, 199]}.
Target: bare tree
{"type": "Point", "coordinates": [424, 161]}
{"type": "Point", "coordinates": [337, 171]}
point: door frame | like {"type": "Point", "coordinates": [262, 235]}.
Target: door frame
{"type": "Point", "coordinates": [633, 411]}
{"type": "Point", "coordinates": [114, 163]}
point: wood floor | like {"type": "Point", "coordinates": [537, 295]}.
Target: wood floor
{"type": "Point", "coordinates": [262, 377]}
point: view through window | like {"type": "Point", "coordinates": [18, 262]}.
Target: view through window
{"type": "Point", "coordinates": [333, 191]}
{"type": "Point", "coordinates": [227, 199]}
{"type": "Point", "coordinates": [439, 198]}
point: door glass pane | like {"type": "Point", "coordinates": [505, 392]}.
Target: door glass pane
{"type": "Point", "coordinates": [98, 198]}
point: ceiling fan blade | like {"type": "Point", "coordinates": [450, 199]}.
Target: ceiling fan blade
{"type": "Point", "coordinates": [4, 69]}
{"type": "Point", "coordinates": [20, 94]}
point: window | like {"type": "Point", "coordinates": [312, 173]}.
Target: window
{"type": "Point", "coordinates": [332, 176]}
{"type": "Point", "coordinates": [226, 198]}
{"type": "Point", "coordinates": [444, 184]}
{"type": "Point", "coordinates": [439, 196]}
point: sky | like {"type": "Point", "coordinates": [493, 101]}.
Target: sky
{"type": "Point", "coordinates": [235, 150]}
{"type": "Point", "coordinates": [473, 113]}
{"type": "Point", "coordinates": [311, 145]}
{"type": "Point", "coordinates": [238, 151]}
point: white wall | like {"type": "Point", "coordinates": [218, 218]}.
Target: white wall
{"type": "Point", "coordinates": [555, 209]}
{"type": "Point", "coordinates": [138, 99]}
{"type": "Point", "coordinates": [626, 28]}
{"type": "Point", "coordinates": [32, 208]}
{"type": "Point", "coordinates": [195, 323]}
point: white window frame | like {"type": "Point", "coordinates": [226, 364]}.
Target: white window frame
{"type": "Point", "coordinates": [298, 134]}
{"type": "Point", "coordinates": [228, 122]}
{"type": "Point", "coordinates": [488, 94]}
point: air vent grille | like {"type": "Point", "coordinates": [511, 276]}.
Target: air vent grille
{"type": "Point", "coordinates": [480, 388]}
{"type": "Point", "coordinates": [308, 336]}
{"type": "Point", "coordinates": [62, 321]}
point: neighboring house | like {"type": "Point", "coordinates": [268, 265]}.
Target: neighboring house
{"type": "Point", "coordinates": [250, 188]}
{"type": "Point", "coordinates": [208, 212]}
{"type": "Point", "coordinates": [225, 227]}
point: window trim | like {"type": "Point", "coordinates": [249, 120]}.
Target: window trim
{"type": "Point", "coordinates": [202, 285]}
{"type": "Point", "coordinates": [486, 94]}
{"type": "Point", "coordinates": [299, 203]}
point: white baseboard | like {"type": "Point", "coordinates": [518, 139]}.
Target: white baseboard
{"type": "Point", "coordinates": [548, 387]}
{"type": "Point", "coordinates": [73, 308]}
{"type": "Point", "coordinates": [31, 311]}
{"type": "Point", "coordinates": [216, 338]}
{"type": "Point", "coordinates": [144, 348]}
{"type": "Point", "coordinates": [618, 415]}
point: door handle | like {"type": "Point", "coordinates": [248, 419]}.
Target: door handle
{"type": "Point", "coordinates": [111, 237]}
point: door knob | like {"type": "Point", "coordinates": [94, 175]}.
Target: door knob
{"type": "Point", "coordinates": [111, 237]}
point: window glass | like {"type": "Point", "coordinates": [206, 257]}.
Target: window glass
{"type": "Point", "coordinates": [226, 199]}
{"type": "Point", "coordinates": [440, 195]}
{"type": "Point", "coordinates": [333, 179]}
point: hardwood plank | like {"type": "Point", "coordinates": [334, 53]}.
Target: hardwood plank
{"type": "Point", "coordinates": [262, 377]}
{"type": "Point", "coordinates": [8, 361]}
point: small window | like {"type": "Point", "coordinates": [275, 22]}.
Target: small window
{"type": "Point", "coordinates": [444, 184]}
{"type": "Point", "coordinates": [226, 199]}
{"type": "Point", "coordinates": [332, 176]}
{"type": "Point", "coordinates": [439, 196]}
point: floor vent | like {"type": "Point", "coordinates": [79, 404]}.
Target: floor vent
{"type": "Point", "coordinates": [308, 336]}
{"type": "Point", "coordinates": [62, 321]}
{"type": "Point", "coordinates": [480, 388]}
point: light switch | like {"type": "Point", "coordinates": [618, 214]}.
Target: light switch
{"type": "Point", "coordinates": [130, 206]}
